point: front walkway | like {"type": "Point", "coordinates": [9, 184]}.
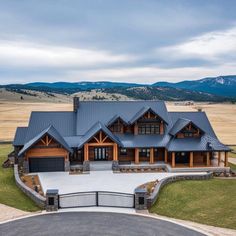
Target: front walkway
{"type": "Point", "coordinates": [99, 181]}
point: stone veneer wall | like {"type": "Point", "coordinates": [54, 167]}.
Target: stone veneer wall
{"type": "Point", "coordinates": [36, 197]}
{"type": "Point", "coordinates": [151, 199]}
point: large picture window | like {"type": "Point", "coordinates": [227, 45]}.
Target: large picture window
{"type": "Point", "coordinates": [149, 129]}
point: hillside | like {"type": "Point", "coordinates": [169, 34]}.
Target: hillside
{"type": "Point", "coordinates": [165, 93]}
{"type": "Point", "coordinates": [221, 85]}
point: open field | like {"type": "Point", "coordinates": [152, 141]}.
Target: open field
{"type": "Point", "coordinates": [10, 194]}
{"type": "Point", "coordinates": [206, 201]}
{"type": "Point", "coordinates": [13, 114]}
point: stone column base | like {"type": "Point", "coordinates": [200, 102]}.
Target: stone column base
{"type": "Point", "coordinates": [67, 165]}
{"type": "Point", "coordinates": [26, 166]}
{"type": "Point", "coordinates": [115, 166]}
{"type": "Point", "coordinates": [86, 166]}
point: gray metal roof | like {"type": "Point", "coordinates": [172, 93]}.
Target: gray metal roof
{"type": "Point", "coordinates": [198, 118]}
{"type": "Point", "coordinates": [74, 129]}
{"type": "Point", "coordinates": [19, 139]}
{"type": "Point", "coordinates": [94, 130]}
{"type": "Point", "coordinates": [196, 144]}
{"type": "Point", "coordinates": [51, 131]}
{"type": "Point", "coordinates": [90, 112]}
{"type": "Point", "coordinates": [133, 141]}
{"type": "Point", "coordinates": [63, 122]}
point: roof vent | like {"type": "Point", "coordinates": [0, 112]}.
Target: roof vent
{"type": "Point", "coordinates": [209, 145]}
{"type": "Point", "coordinates": [75, 103]}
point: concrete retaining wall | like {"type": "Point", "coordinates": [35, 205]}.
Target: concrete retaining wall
{"type": "Point", "coordinates": [36, 197]}
{"type": "Point", "coordinates": [151, 199]}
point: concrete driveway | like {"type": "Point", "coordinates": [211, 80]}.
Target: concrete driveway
{"type": "Point", "coordinates": [99, 181]}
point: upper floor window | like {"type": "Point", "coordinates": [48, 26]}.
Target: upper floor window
{"type": "Point", "coordinates": [116, 127]}
{"type": "Point", "coordinates": [149, 129]}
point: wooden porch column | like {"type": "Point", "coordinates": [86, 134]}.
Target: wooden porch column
{"type": "Point", "coordinates": [191, 159]}
{"type": "Point", "coordinates": [115, 152]}
{"type": "Point", "coordinates": [226, 159]}
{"type": "Point", "coordinates": [208, 161]}
{"type": "Point", "coordinates": [166, 155]}
{"type": "Point", "coordinates": [135, 128]}
{"type": "Point", "coordinates": [136, 156]}
{"type": "Point", "coordinates": [86, 152]}
{"type": "Point", "coordinates": [173, 159]}
{"type": "Point", "coordinates": [219, 158]}
{"type": "Point", "coordinates": [151, 155]}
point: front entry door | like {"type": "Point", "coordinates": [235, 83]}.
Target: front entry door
{"type": "Point", "coordinates": [100, 154]}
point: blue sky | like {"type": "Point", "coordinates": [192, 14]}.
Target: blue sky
{"type": "Point", "coordinates": [141, 41]}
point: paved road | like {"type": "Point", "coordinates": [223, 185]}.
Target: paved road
{"type": "Point", "coordinates": [88, 223]}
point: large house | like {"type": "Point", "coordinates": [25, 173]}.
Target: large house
{"type": "Point", "coordinates": [125, 132]}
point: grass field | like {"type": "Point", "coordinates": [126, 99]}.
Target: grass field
{"type": "Point", "coordinates": [209, 202]}
{"type": "Point", "coordinates": [9, 193]}
{"type": "Point", "coordinates": [13, 114]}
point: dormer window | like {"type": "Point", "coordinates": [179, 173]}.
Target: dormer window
{"type": "Point", "coordinates": [149, 129]}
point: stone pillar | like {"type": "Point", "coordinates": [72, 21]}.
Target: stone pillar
{"type": "Point", "coordinates": [115, 166]}
{"type": "Point", "coordinates": [136, 156]}
{"type": "Point", "coordinates": [191, 159]}
{"type": "Point", "coordinates": [173, 159]}
{"type": "Point", "coordinates": [219, 158]}
{"type": "Point", "coordinates": [140, 202]}
{"type": "Point", "coordinates": [67, 165]}
{"type": "Point", "coordinates": [26, 166]}
{"type": "Point", "coordinates": [208, 161]}
{"type": "Point", "coordinates": [226, 159]}
{"type": "Point", "coordinates": [166, 156]}
{"type": "Point", "coordinates": [52, 200]}
{"type": "Point", "coordinates": [86, 166]}
{"type": "Point", "coordinates": [151, 155]}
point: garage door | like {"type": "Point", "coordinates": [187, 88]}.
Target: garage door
{"type": "Point", "coordinates": [46, 164]}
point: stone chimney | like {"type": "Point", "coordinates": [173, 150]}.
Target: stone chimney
{"type": "Point", "coordinates": [75, 103]}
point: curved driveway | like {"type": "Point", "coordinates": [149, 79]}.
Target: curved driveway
{"type": "Point", "coordinates": [88, 223]}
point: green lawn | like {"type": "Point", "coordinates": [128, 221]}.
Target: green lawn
{"type": "Point", "coordinates": [209, 202]}
{"type": "Point", "coordinates": [9, 192]}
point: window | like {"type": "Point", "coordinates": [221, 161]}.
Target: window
{"type": "Point", "coordinates": [144, 152]}
{"type": "Point", "coordinates": [188, 134]}
{"type": "Point", "coordinates": [149, 129]}
{"type": "Point", "coordinates": [123, 151]}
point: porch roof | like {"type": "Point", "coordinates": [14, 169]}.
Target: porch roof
{"type": "Point", "coordinates": [133, 141]}
{"type": "Point", "coordinates": [204, 143]}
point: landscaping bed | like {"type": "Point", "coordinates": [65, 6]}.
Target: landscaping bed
{"type": "Point", "coordinates": [32, 181]}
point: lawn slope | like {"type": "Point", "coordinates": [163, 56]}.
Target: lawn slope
{"type": "Point", "coordinates": [9, 193]}
{"type": "Point", "coordinates": [209, 202]}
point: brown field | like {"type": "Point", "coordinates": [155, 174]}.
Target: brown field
{"type": "Point", "coordinates": [13, 114]}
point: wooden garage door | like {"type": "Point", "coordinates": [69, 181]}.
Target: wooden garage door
{"type": "Point", "coordinates": [46, 164]}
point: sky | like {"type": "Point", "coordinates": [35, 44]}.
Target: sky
{"type": "Point", "coordinates": [141, 41]}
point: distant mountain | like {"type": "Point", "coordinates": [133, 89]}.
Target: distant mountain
{"type": "Point", "coordinates": [165, 93]}
{"type": "Point", "coordinates": [82, 85]}
{"type": "Point", "coordinates": [221, 85]}
{"type": "Point", "coordinates": [222, 88]}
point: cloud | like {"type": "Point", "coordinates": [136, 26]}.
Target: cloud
{"type": "Point", "coordinates": [29, 54]}
{"type": "Point", "coordinates": [214, 46]}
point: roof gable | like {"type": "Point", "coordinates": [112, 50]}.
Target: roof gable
{"type": "Point", "coordinates": [51, 131]}
{"type": "Point", "coordinates": [94, 130]}
{"type": "Point", "coordinates": [180, 124]}
{"type": "Point", "coordinates": [90, 112]}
